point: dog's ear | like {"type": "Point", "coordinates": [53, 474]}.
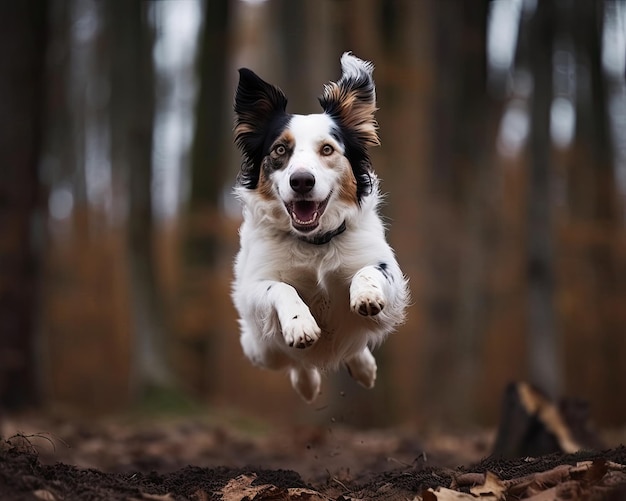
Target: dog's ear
{"type": "Point", "coordinates": [352, 100]}
{"type": "Point", "coordinates": [259, 109]}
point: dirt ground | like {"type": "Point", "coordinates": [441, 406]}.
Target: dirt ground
{"type": "Point", "coordinates": [43, 458]}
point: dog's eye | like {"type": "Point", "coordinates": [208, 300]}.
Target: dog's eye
{"type": "Point", "coordinates": [280, 150]}
{"type": "Point", "coordinates": [327, 150]}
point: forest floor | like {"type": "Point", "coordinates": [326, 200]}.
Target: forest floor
{"type": "Point", "coordinates": [44, 458]}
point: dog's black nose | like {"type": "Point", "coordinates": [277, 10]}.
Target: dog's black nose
{"type": "Point", "coordinates": [302, 182]}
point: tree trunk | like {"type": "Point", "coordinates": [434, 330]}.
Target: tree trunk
{"type": "Point", "coordinates": [23, 36]}
{"type": "Point", "coordinates": [595, 214]}
{"type": "Point", "coordinates": [405, 93]}
{"type": "Point", "coordinates": [132, 117]}
{"type": "Point", "coordinates": [545, 364]}
{"type": "Point", "coordinates": [475, 200]}
{"type": "Point", "coordinates": [201, 273]}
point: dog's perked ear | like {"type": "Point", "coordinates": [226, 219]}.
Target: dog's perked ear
{"type": "Point", "coordinates": [260, 114]}
{"type": "Point", "coordinates": [351, 102]}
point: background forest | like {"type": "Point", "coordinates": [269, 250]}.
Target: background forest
{"type": "Point", "coordinates": [503, 129]}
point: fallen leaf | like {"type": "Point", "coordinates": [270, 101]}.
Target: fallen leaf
{"type": "Point", "coordinates": [492, 488]}
{"type": "Point", "coordinates": [443, 494]}
{"type": "Point", "coordinates": [157, 497]}
{"type": "Point", "coordinates": [200, 495]}
{"type": "Point", "coordinates": [467, 479]}
{"type": "Point", "coordinates": [44, 494]}
{"type": "Point", "coordinates": [305, 494]}
{"type": "Point", "coordinates": [538, 482]}
{"type": "Point", "coordinates": [595, 472]}
{"type": "Point", "coordinates": [563, 492]}
{"type": "Point", "coordinates": [241, 488]}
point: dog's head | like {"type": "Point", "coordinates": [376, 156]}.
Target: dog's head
{"type": "Point", "coordinates": [315, 166]}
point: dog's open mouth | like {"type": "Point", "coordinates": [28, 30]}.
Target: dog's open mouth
{"type": "Point", "coordinates": [305, 214]}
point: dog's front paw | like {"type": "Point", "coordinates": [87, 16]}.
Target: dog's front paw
{"type": "Point", "coordinates": [301, 331]}
{"type": "Point", "coordinates": [366, 294]}
{"type": "Point", "coordinates": [368, 302]}
{"type": "Point", "coordinates": [368, 305]}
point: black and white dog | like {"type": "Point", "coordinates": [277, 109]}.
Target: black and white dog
{"type": "Point", "coordinates": [316, 283]}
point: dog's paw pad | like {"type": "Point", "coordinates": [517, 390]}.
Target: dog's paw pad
{"type": "Point", "coordinates": [370, 308]}
{"type": "Point", "coordinates": [301, 332]}
{"type": "Point", "coordinates": [368, 304]}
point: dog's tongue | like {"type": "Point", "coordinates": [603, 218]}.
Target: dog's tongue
{"type": "Point", "coordinates": [304, 210]}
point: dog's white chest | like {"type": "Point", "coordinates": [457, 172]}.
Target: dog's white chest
{"type": "Point", "coordinates": [324, 297]}
{"type": "Point", "coordinates": [320, 306]}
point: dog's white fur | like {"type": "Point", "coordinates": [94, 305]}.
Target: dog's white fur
{"type": "Point", "coordinates": [306, 306]}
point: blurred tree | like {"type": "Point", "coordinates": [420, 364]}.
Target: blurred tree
{"type": "Point", "coordinates": [544, 348]}
{"type": "Point", "coordinates": [399, 38]}
{"type": "Point", "coordinates": [202, 228]}
{"type": "Point", "coordinates": [595, 210]}
{"type": "Point", "coordinates": [292, 28]}
{"type": "Point", "coordinates": [436, 144]}
{"type": "Point", "coordinates": [461, 176]}
{"type": "Point", "coordinates": [83, 316]}
{"type": "Point", "coordinates": [208, 174]}
{"type": "Point", "coordinates": [23, 43]}
{"type": "Point", "coordinates": [132, 116]}
{"type": "Point", "coordinates": [61, 127]}
{"type": "Point", "coordinates": [308, 50]}
{"type": "Point", "coordinates": [591, 177]}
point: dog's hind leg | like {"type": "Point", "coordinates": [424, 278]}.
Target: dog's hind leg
{"type": "Point", "coordinates": [307, 381]}
{"type": "Point", "coordinates": [362, 368]}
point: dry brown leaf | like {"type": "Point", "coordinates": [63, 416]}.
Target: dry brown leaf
{"type": "Point", "coordinates": [444, 494]}
{"type": "Point", "coordinates": [559, 480]}
{"type": "Point", "coordinates": [241, 487]}
{"type": "Point", "coordinates": [305, 495]}
{"type": "Point", "coordinates": [44, 494]}
{"type": "Point", "coordinates": [614, 478]}
{"type": "Point", "coordinates": [493, 487]}
{"type": "Point", "coordinates": [596, 472]}
{"type": "Point", "coordinates": [616, 466]}
{"type": "Point", "coordinates": [153, 497]}
{"type": "Point", "coordinates": [490, 489]}
{"type": "Point", "coordinates": [157, 497]}
{"type": "Point", "coordinates": [200, 495]}
{"type": "Point", "coordinates": [544, 495]}
{"type": "Point", "coordinates": [563, 492]}
{"type": "Point", "coordinates": [467, 479]}
{"type": "Point", "coordinates": [537, 482]}
{"type": "Point", "coordinates": [428, 495]}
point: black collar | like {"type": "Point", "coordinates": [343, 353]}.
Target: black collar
{"type": "Point", "coordinates": [324, 238]}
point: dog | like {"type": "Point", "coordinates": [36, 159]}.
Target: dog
{"type": "Point", "coordinates": [316, 284]}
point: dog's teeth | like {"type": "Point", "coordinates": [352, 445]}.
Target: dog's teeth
{"type": "Point", "coordinates": [299, 221]}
